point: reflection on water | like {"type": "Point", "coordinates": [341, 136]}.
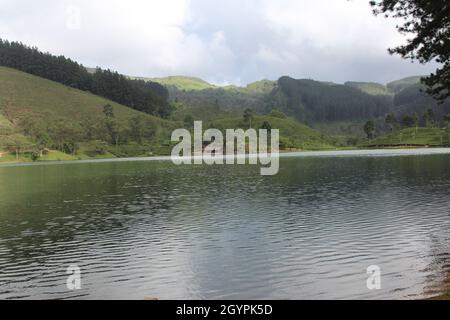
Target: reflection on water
{"type": "Point", "coordinates": [141, 229]}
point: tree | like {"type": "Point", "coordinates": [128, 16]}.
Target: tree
{"type": "Point", "coordinates": [407, 121]}
{"type": "Point", "coordinates": [145, 96]}
{"type": "Point", "coordinates": [369, 129]}
{"type": "Point", "coordinates": [98, 147]}
{"type": "Point", "coordinates": [248, 117]}
{"type": "Point", "coordinates": [429, 118]}
{"type": "Point", "coordinates": [62, 131]}
{"type": "Point", "coordinates": [108, 111]}
{"type": "Point", "coordinates": [17, 143]}
{"type": "Point", "coordinates": [391, 121]}
{"type": "Point", "coordinates": [267, 126]}
{"type": "Point", "coordinates": [113, 128]}
{"type": "Point", "coordinates": [136, 125]}
{"type": "Point", "coordinates": [35, 155]}
{"type": "Point", "coordinates": [188, 121]}
{"type": "Point", "coordinates": [416, 121]}
{"type": "Point", "coordinates": [277, 114]}
{"type": "Point", "coordinates": [70, 147]}
{"type": "Point", "coordinates": [447, 122]}
{"type": "Point", "coordinates": [428, 22]}
{"type": "Point", "coordinates": [150, 129]}
{"type": "Point", "coordinates": [42, 141]}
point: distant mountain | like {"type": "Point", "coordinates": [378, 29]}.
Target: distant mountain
{"type": "Point", "coordinates": [372, 88]}
{"type": "Point", "coordinates": [182, 83]}
{"type": "Point", "coordinates": [312, 101]}
{"type": "Point", "coordinates": [399, 85]}
{"type": "Point", "coordinates": [257, 87]}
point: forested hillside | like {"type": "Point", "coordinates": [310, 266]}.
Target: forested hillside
{"type": "Point", "coordinates": [313, 101]}
{"type": "Point", "coordinates": [228, 98]}
{"type": "Point", "coordinates": [145, 96]}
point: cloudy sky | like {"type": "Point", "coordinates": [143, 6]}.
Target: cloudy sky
{"type": "Point", "coordinates": [233, 41]}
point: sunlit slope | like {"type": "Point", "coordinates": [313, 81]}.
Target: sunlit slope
{"type": "Point", "coordinates": [413, 136]}
{"type": "Point", "coordinates": [183, 83]}
{"type": "Point", "coordinates": [22, 93]}
{"type": "Point", "coordinates": [293, 134]}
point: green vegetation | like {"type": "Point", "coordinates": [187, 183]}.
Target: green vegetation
{"type": "Point", "coordinates": [202, 113]}
{"type": "Point", "coordinates": [372, 88]}
{"type": "Point", "coordinates": [313, 101]}
{"type": "Point", "coordinates": [293, 135]}
{"type": "Point", "coordinates": [144, 96]}
{"type": "Point", "coordinates": [369, 129]}
{"type": "Point", "coordinates": [182, 83]}
{"type": "Point", "coordinates": [255, 88]}
{"type": "Point", "coordinates": [415, 137]}
{"type": "Point", "coordinates": [44, 120]}
{"type": "Point", "coordinates": [399, 85]}
{"type": "Point", "coordinates": [41, 119]}
{"type": "Point", "coordinates": [38, 114]}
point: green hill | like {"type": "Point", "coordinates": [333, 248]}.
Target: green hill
{"type": "Point", "coordinates": [293, 135]}
{"type": "Point", "coordinates": [255, 88]}
{"type": "Point", "coordinates": [202, 113]}
{"type": "Point", "coordinates": [410, 136]}
{"type": "Point", "coordinates": [38, 108]}
{"type": "Point", "coordinates": [313, 101]}
{"type": "Point", "coordinates": [399, 85]}
{"type": "Point", "coordinates": [22, 93]}
{"type": "Point", "coordinates": [72, 124]}
{"type": "Point", "coordinates": [182, 83]}
{"type": "Point", "coordinates": [371, 88]}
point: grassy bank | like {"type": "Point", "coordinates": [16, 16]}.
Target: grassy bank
{"type": "Point", "coordinates": [420, 137]}
{"type": "Point", "coordinates": [52, 155]}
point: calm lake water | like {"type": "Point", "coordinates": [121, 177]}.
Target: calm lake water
{"type": "Point", "coordinates": [151, 229]}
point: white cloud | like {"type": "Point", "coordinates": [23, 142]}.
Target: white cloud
{"type": "Point", "coordinates": [221, 41]}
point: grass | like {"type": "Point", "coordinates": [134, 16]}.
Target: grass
{"type": "Point", "coordinates": [203, 113]}
{"type": "Point", "coordinates": [293, 135]}
{"type": "Point", "coordinates": [254, 88]}
{"type": "Point", "coordinates": [183, 83]}
{"type": "Point", "coordinates": [342, 130]}
{"type": "Point", "coordinates": [22, 93]}
{"type": "Point", "coordinates": [26, 157]}
{"type": "Point", "coordinates": [6, 126]}
{"type": "Point", "coordinates": [53, 155]}
{"type": "Point", "coordinates": [371, 88]}
{"type": "Point", "coordinates": [422, 137]}
{"type": "Point", "coordinates": [47, 102]}
{"type": "Point", "coordinates": [401, 84]}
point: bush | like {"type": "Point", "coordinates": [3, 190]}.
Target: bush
{"type": "Point", "coordinates": [70, 147]}
{"type": "Point", "coordinates": [98, 147]}
{"type": "Point", "coordinates": [35, 155]}
{"type": "Point", "coordinates": [277, 114]}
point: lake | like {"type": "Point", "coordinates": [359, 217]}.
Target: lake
{"type": "Point", "coordinates": [142, 229]}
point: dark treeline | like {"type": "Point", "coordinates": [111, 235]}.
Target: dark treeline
{"type": "Point", "coordinates": [309, 100]}
{"type": "Point", "coordinates": [413, 99]}
{"type": "Point", "coordinates": [144, 96]}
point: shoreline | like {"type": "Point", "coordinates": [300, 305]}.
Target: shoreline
{"type": "Point", "coordinates": [445, 286]}
{"type": "Point", "coordinates": [385, 152]}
